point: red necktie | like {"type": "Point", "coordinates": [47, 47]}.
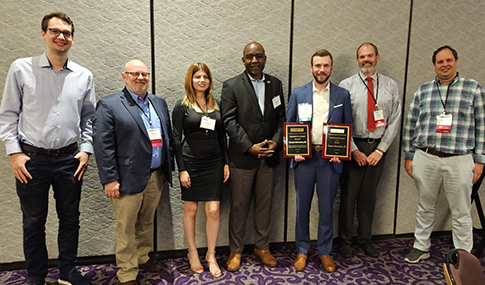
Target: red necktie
{"type": "Point", "coordinates": [371, 105]}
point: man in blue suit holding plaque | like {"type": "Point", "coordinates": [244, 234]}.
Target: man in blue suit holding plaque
{"type": "Point", "coordinates": [318, 102]}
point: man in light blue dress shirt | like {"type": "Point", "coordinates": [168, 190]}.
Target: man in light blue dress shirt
{"type": "Point", "coordinates": [47, 106]}
{"type": "Point", "coordinates": [373, 133]}
{"type": "Point", "coordinates": [133, 146]}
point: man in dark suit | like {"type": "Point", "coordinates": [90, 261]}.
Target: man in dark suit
{"type": "Point", "coordinates": [133, 148]}
{"type": "Point", "coordinates": [318, 102]}
{"type": "Point", "coordinates": [253, 111]}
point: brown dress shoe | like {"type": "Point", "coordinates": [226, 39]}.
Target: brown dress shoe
{"type": "Point", "coordinates": [327, 263]}
{"type": "Point", "coordinates": [151, 266]}
{"type": "Point", "coordinates": [234, 262]}
{"type": "Point", "coordinates": [300, 262]}
{"type": "Point", "coordinates": [266, 257]}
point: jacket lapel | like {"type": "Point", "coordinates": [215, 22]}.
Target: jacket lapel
{"type": "Point", "coordinates": [132, 108]}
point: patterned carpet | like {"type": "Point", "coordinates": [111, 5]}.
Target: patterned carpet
{"type": "Point", "coordinates": [389, 268]}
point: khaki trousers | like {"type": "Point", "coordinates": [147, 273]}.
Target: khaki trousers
{"type": "Point", "coordinates": [134, 226]}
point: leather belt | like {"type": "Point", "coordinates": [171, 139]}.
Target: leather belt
{"type": "Point", "coordinates": [437, 153]}
{"type": "Point", "coordinates": [154, 169]}
{"type": "Point", "coordinates": [48, 152]}
{"type": "Point", "coordinates": [367, 140]}
{"type": "Point", "coordinates": [317, 147]}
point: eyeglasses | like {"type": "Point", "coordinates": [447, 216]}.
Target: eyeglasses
{"type": "Point", "coordinates": [137, 74]}
{"type": "Point", "coordinates": [57, 32]}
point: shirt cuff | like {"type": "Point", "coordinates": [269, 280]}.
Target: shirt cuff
{"type": "Point", "coordinates": [86, 147]}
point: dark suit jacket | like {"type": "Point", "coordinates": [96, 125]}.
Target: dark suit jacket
{"type": "Point", "coordinates": [244, 122]}
{"type": "Point", "coordinates": [339, 110]}
{"type": "Point", "coordinates": [121, 144]}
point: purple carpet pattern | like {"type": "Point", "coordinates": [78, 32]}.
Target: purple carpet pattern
{"type": "Point", "coordinates": [389, 268]}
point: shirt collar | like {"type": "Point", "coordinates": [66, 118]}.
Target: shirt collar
{"type": "Point", "coordinates": [327, 88]}
{"type": "Point", "coordinates": [254, 80]}
{"type": "Point", "coordinates": [44, 62]}
{"type": "Point", "coordinates": [137, 98]}
{"type": "Point", "coordinates": [457, 77]}
{"type": "Point", "coordinates": [373, 76]}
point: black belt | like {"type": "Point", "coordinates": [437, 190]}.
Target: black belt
{"type": "Point", "coordinates": [367, 140]}
{"type": "Point", "coordinates": [49, 152]}
{"type": "Point", "coordinates": [437, 153]}
{"type": "Point", "coordinates": [317, 147]}
{"type": "Point", "coordinates": [154, 169]}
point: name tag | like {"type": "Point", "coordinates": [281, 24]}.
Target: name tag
{"type": "Point", "coordinates": [444, 123]}
{"type": "Point", "coordinates": [276, 102]}
{"type": "Point", "coordinates": [207, 123]}
{"type": "Point", "coordinates": [304, 112]}
{"type": "Point", "coordinates": [378, 115]}
{"type": "Point", "coordinates": [155, 137]}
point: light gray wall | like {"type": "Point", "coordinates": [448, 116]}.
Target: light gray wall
{"type": "Point", "coordinates": [109, 33]}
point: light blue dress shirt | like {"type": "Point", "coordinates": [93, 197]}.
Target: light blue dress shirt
{"type": "Point", "coordinates": [46, 108]}
{"type": "Point", "coordinates": [149, 115]}
{"type": "Point", "coordinates": [259, 89]}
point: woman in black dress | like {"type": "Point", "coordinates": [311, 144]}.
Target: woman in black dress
{"type": "Point", "coordinates": [200, 149]}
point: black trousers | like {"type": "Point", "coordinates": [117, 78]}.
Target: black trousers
{"type": "Point", "coordinates": [58, 172]}
{"type": "Point", "coordinates": [358, 186]}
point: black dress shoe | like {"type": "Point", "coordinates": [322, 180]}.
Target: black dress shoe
{"type": "Point", "coordinates": [345, 250]}
{"type": "Point", "coordinates": [369, 249]}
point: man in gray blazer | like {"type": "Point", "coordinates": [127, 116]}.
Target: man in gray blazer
{"type": "Point", "coordinates": [133, 148]}
{"type": "Point", "coordinates": [253, 111]}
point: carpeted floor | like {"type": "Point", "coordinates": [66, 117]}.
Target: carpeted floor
{"type": "Point", "coordinates": [389, 268]}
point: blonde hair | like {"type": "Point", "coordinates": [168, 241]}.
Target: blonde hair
{"type": "Point", "coordinates": [190, 97]}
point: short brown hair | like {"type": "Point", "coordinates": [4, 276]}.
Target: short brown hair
{"type": "Point", "coordinates": [60, 15]}
{"type": "Point", "coordinates": [322, 52]}
{"type": "Point", "coordinates": [453, 51]}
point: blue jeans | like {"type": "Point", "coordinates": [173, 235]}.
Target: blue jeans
{"type": "Point", "coordinates": [58, 172]}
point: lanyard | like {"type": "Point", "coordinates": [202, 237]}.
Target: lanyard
{"type": "Point", "coordinates": [206, 112]}
{"type": "Point", "coordinates": [372, 91]}
{"type": "Point", "coordinates": [149, 116]}
{"type": "Point", "coordinates": [446, 98]}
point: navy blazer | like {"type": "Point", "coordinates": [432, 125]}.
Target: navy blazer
{"type": "Point", "coordinates": [339, 111]}
{"type": "Point", "coordinates": [121, 144]}
{"type": "Point", "coordinates": [244, 122]}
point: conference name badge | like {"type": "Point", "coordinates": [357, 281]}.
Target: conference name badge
{"type": "Point", "coordinates": [379, 118]}
{"type": "Point", "coordinates": [207, 123]}
{"type": "Point", "coordinates": [155, 137]}
{"type": "Point", "coordinates": [443, 123]}
{"type": "Point", "coordinates": [276, 101]}
{"type": "Point", "coordinates": [304, 112]}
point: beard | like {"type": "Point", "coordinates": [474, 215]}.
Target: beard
{"type": "Point", "coordinates": [325, 79]}
{"type": "Point", "coordinates": [368, 69]}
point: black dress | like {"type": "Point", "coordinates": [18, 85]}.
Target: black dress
{"type": "Point", "coordinates": [201, 152]}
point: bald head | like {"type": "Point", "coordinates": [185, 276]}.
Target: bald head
{"type": "Point", "coordinates": [136, 77]}
{"type": "Point", "coordinates": [254, 59]}
{"type": "Point", "coordinates": [134, 64]}
{"type": "Point", "coordinates": [252, 45]}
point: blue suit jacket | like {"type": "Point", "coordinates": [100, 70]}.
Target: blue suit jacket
{"type": "Point", "coordinates": [121, 144]}
{"type": "Point", "coordinates": [339, 111]}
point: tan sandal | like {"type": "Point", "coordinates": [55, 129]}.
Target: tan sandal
{"type": "Point", "coordinates": [218, 272]}
{"type": "Point", "coordinates": [198, 269]}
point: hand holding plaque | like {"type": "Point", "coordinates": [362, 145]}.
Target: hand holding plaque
{"type": "Point", "coordinates": [297, 139]}
{"type": "Point", "coordinates": [336, 141]}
